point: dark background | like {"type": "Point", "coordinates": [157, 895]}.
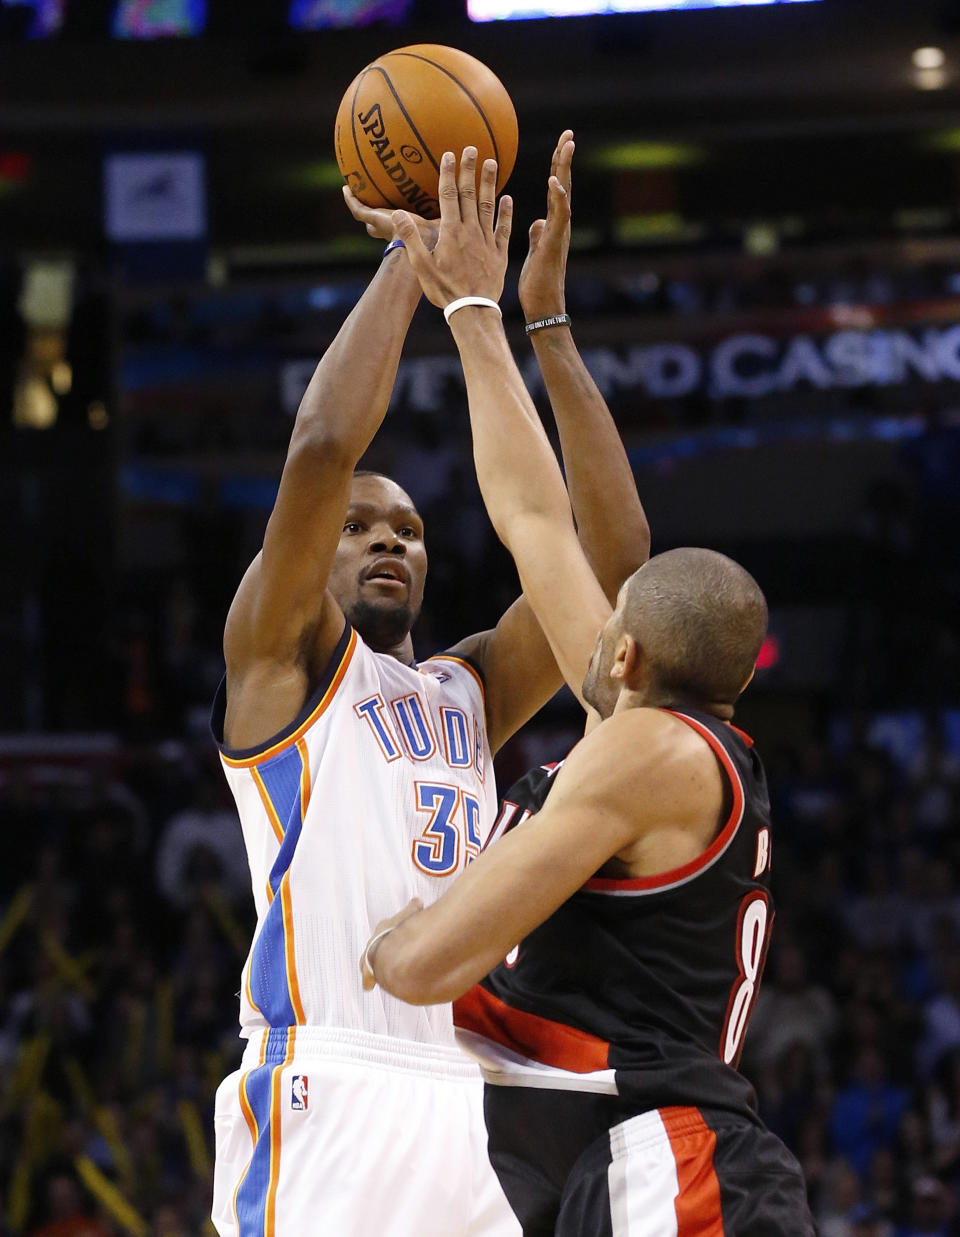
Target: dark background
{"type": "Point", "coordinates": [766, 281]}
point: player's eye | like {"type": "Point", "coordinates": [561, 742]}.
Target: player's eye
{"type": "Point", "coordinates": [407, 531]}
{"type": "Point", "coordinates": [352, 526]}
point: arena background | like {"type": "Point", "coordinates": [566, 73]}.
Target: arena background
{"type": "Point", "coordinates": [766, 282]}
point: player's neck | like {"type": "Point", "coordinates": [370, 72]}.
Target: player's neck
{"type": "Point", "coordinates": [650, 696]}
{"type": "Point", "coordinates": [403, 651]}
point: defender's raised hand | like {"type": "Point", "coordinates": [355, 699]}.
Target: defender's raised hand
{"type": "Point", "coordinates": [544, 272]}
{"type": "Point", "coordinates": [470, 258]}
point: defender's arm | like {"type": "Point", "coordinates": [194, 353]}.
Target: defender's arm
{"type": "Point", "coordinates": [642, 783]}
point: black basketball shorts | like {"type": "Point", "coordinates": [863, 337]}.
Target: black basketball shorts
{"type": "Point", "coordinates": [671, 1172]}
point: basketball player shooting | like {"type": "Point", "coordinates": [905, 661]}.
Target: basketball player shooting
{"type": "Point", "coordinates": [363, 779]}
{"type": "Point", "coordinates": [605, 954]}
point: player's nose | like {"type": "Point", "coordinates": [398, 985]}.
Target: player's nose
{"type": "Point", "coordinates": [386, 541]}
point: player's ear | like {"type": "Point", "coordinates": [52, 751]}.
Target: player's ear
{"type": "Point", "coordinates": [626, 659]}
{"type": "Point", "coordinates": [632, 659]}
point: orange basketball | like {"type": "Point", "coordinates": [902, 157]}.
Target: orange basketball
{"type": "Point", "coordinates": [405, 109]}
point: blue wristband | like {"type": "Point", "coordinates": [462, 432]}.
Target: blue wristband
{"type": "Point", "coordinates": [394, 244]}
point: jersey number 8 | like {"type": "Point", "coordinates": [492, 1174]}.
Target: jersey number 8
{"type": "Point", "coordinates": [753, 937]}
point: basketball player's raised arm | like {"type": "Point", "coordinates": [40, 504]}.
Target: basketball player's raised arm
{"type": "Point", "coordinates": [283, 594]}
{"type": "Point", "coordinates": [611, 524]}
{"type": "Point", "coordinates": [518, 473]}
{"type": "Point", "coordinates": [641, 784]}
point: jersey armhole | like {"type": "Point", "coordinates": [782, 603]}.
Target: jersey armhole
{"type": "Point", "coordinates": [317, 703]}
{"type": "Point", "coordinates": [467, 663]}
{"type": "Point", "coordinates": [707, 858]}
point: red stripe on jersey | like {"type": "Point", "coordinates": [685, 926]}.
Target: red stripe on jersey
{"type": "Point", "coordinates": [742, 733]}
{"type": "Point", "coordinates": [601, 884]}
{"type": "Point", "coordinates": [538, 1039]}
{"type": "Point", "coordinates": [698, 1206]}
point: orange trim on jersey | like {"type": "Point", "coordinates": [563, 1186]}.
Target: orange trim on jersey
{"type": "Point", "coordinates": [269, 892]}
{"type": "Point", "coordinates": [640, 884]}
{"type": "Point", "coordinates": [698, 1206]}
{"type": "Point", "coordinates": [289, 954]}
{"type": "Point", "coordinates": [276, 1118]}
{"type": "Point", "coordinates": [304, 726]}
{"type": "Point", "coordinates": [250, 1117]}
{"type": "Point", "coordinates": [460, 662]}
{"type": "Point", "coordinates": [268, 807]}
{"type": "Point", "coordinates": [249, 990]}
{"type": "Point", "coordinates": [538, 1039]}
{"type": "Point", "coordinates": [304, 778]}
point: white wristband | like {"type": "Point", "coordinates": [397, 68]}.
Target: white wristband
{"type": "Point", "coordinates": [367, 956]}
{"type": "Point", "coordinates": [470, 300]}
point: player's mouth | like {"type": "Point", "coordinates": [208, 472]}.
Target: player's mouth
{"type": "Point", "coordinates": [388, 573]}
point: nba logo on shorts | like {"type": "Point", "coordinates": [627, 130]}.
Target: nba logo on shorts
{"type": "Point", "coordinates": [298, 1093]}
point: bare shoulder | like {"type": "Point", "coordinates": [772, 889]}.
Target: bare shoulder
{"type": "Point", "coordinates": [271, 674]}
{"type": "Point", "coordinates": [656, 778]}
{"type": "Point", "coordinates": [641, 754]}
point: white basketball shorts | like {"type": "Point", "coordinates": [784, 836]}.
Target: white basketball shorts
{"type": "Point", "coordinates": [323, 1131]}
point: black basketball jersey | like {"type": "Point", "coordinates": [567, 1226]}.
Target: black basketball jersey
{"type": "Point", "coordinates": [639, 988]}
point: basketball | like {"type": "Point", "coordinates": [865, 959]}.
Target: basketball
{"type": "Point", "coordinates": [406, 108]}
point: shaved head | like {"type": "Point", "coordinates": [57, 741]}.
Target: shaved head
{"type": "Point", "coordinates": [699, 619]}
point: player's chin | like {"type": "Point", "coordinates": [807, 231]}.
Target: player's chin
{"type": "Point", "coordinates": [382, 620]}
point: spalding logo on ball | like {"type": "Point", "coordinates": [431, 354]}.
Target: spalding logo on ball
{"type": "Point", "coordinates": [405, 109]}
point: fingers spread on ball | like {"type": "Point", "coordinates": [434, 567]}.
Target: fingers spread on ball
{"type": "Point", "coordinates": [486, 203]}
{"type": "Point", "coordinates": [467, 183]}
{"type": "Point", "coordinates": [449, 197]}
{"type": "Point", "coordinates": [504, 221]}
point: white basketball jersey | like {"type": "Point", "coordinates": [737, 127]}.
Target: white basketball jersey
{"type": "Point", "coordinates": [380, 791]}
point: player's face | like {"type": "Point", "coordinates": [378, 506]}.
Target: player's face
{"type": "Point", "coordinates": [599, 689]}
{"type": "Point", "coordinates": [380, 566]}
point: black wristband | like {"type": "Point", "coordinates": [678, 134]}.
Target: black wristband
{"type": "Point", "coordinates": [556, 320]}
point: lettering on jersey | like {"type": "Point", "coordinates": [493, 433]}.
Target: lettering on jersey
{"type": "Point", "coordinates": [753, 936]}
{"type": "Point", "coordinates": [299, 1092]}
{"type": "Point", "coordinates": [511, 959]}
{"type": "Point", "coordinates": [371, 710]}
{"type": "Point", "coordinates": [456, 738]}
{"type": "Point", "coordinates": [437, 850]}
{"type": "Point", "coordinates": [414, 728]}
{"type": "Point", "coordinates": [478, 749]}
{"type": "Point", "coordinates": [763, 853]}
{"type": "Point", "coordinates": [510, 815]}
{"type": "Point", "coordinates": [553, 768]}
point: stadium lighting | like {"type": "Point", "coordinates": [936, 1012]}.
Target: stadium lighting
{"type": "Point", "coordinates": [929, 58]}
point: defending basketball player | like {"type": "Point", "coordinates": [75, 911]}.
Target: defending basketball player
{"type": "Point", "coordinates": [363, 779]}
{"type": "Point", "coordinates": [607, 951]}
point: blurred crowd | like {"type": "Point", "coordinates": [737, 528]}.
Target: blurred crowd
{"type": "Point", "coordinates": [125, 915]}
